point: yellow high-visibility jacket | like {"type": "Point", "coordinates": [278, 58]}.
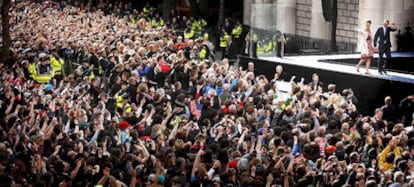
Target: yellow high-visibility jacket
{"type": "Point", "coordinates": [189, 33]}
{"type": "Point", "coordinates": [269, 47]}
{"type": "Point", "coordinates": [57, 64]}
{"type": "Point", "coordinates": [223, 40]}
{"type": "Point", "coordinates": [44, 78]}
{"type": "Point", "coordinates": [237, 31]}
{"type": "Point", "coordinates": [33, 71]}
{"type": "Point", "coordinates": [260, 48]}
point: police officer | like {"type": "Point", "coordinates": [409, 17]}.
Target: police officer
{"type": "Point", "coordinates": [44, 71]}
{"type": "Point", "coordinates": [202, 23]}
{"type": "Point", "coordinates": [236, 35]}
{"type": "Point", "coordinates": [209, 45]}
{"type": "Point", "coordinates": [148, 10]}
{"type": "Point", "coordinates": [189, 33]}
{"type": "Point", "coordinates": [204, 51]}
{"type": "Point", "coordinates": [157, 21]}
{"type": "Point", "coordinates": [57, 63]}
{"type": "Point", "coordinates": [223, 42]}
{"type": "Point", "coordinates": [199, 24]}
{"type": "Point", "coordinates": [269, 46]}
{"type": "Point", "coordinates": [260, 50]}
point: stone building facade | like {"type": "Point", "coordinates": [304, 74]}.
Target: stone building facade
{"type": "Point", "coordinates": [348, 11]}
{"type": "Point", "coordinates": [305, 17]}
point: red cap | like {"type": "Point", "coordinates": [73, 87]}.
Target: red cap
{"type": "Point", "coordinates": [331, 149]}
{"type": "Point", "coordinates": [140, 127]}
{"type": "Point", "coordinates": [124, 124]}
{"type": "Point", "coordinates": [233, 164]}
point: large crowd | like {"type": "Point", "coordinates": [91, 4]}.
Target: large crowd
{"type": "Point", "coordinates": [116, 97]}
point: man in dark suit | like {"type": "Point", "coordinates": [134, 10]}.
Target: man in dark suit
{"type": "Point", "coordinates": [245, 51]}
{"type": "Point", "coordinates": [384, 44]}
{"type": "Point", "coordinates": [231, 51]}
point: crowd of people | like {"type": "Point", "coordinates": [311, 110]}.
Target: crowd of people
{"type": "Point", "coordinates": [142, 107]}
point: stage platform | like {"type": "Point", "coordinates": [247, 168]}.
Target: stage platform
{"type": "Point", "coordinates": [401, 62]}
{"type": "Point", "coordinates": [330, 62]}
{"type": "Point", "coordinates": [371, 89]}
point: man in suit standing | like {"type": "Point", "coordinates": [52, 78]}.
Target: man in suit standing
{"type": "Point", "coordinates": [231, 51]}
{"type": "Point", "coordinates": [245, 51]}
{"type": "Point", "coordinates": [384, 44]}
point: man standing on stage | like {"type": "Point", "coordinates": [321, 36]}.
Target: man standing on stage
{"type": "Point", "coordinates": [384, 44]}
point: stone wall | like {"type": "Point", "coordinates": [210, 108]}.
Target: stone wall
{"type": "Point", "coordinates": [348, 11]}
{"type": "Point", "coordinates": [303, 17]}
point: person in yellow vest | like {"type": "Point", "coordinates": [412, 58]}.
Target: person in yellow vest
{"type": "Point", "coordinates": [57, 64]}
{"type": "Point", "coordinates": [44, 71]}
{"type": "Point", "coordinates": [237, 30]}
{"type": "Point", "coordinates": [32, 71]}
{"type": "Point", "coordinates": [189, 33]}
{"type": "Point", "coordinates": [260, 48]}
{"type": "Point", "coordinates": [147, 9]}
{"type": "Point", "coordinates": [269, 47]}
{"type": "Point", "coordinates": [195, 25]}
{"type": "Point", "coordinates": [236, 35]}
{"type": "Point", "coordinates": [204, 51]}
{"type": "Point", "coordinates": [199, 24]}
{"type": "Point", "coordinates": [205, 35]}
{"type": "Point", "coordinates": [202, 23]}
{"type": "Point", "coordinates": [223, 42]}
{"type": "Point", "coordinates": [132, 19]}
{"type": "Point", "coordinates": [121, 99]}
{"type": "Point", "coordinates": [209, 44]}
{"type": "Point", "coordinates": [157, 22]}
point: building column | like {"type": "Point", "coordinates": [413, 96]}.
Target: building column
{"type": "Point", "coordinates": [260, 17]}
{"type": "Point", "coordinates": [247, 8]}
{"type": "Point", "coordinates": [286, 16]}
{"type": "Point", "coordinates": [221, 13]}
{"type": "Point", "coordinates": [319, 28]}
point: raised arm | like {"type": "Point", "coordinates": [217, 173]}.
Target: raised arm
{"type": "Point", "coordinates": [393, 27]}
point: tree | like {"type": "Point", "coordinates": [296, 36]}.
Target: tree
{"type": "Point", "coordinates": [5, 8]}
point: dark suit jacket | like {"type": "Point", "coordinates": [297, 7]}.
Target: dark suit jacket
{"type": "Point", "coordinates": [243, 49]}
{"type": "Point", "coordinates": [384, 42]}
{"type": "Point", "coordinates": [231, 51]}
